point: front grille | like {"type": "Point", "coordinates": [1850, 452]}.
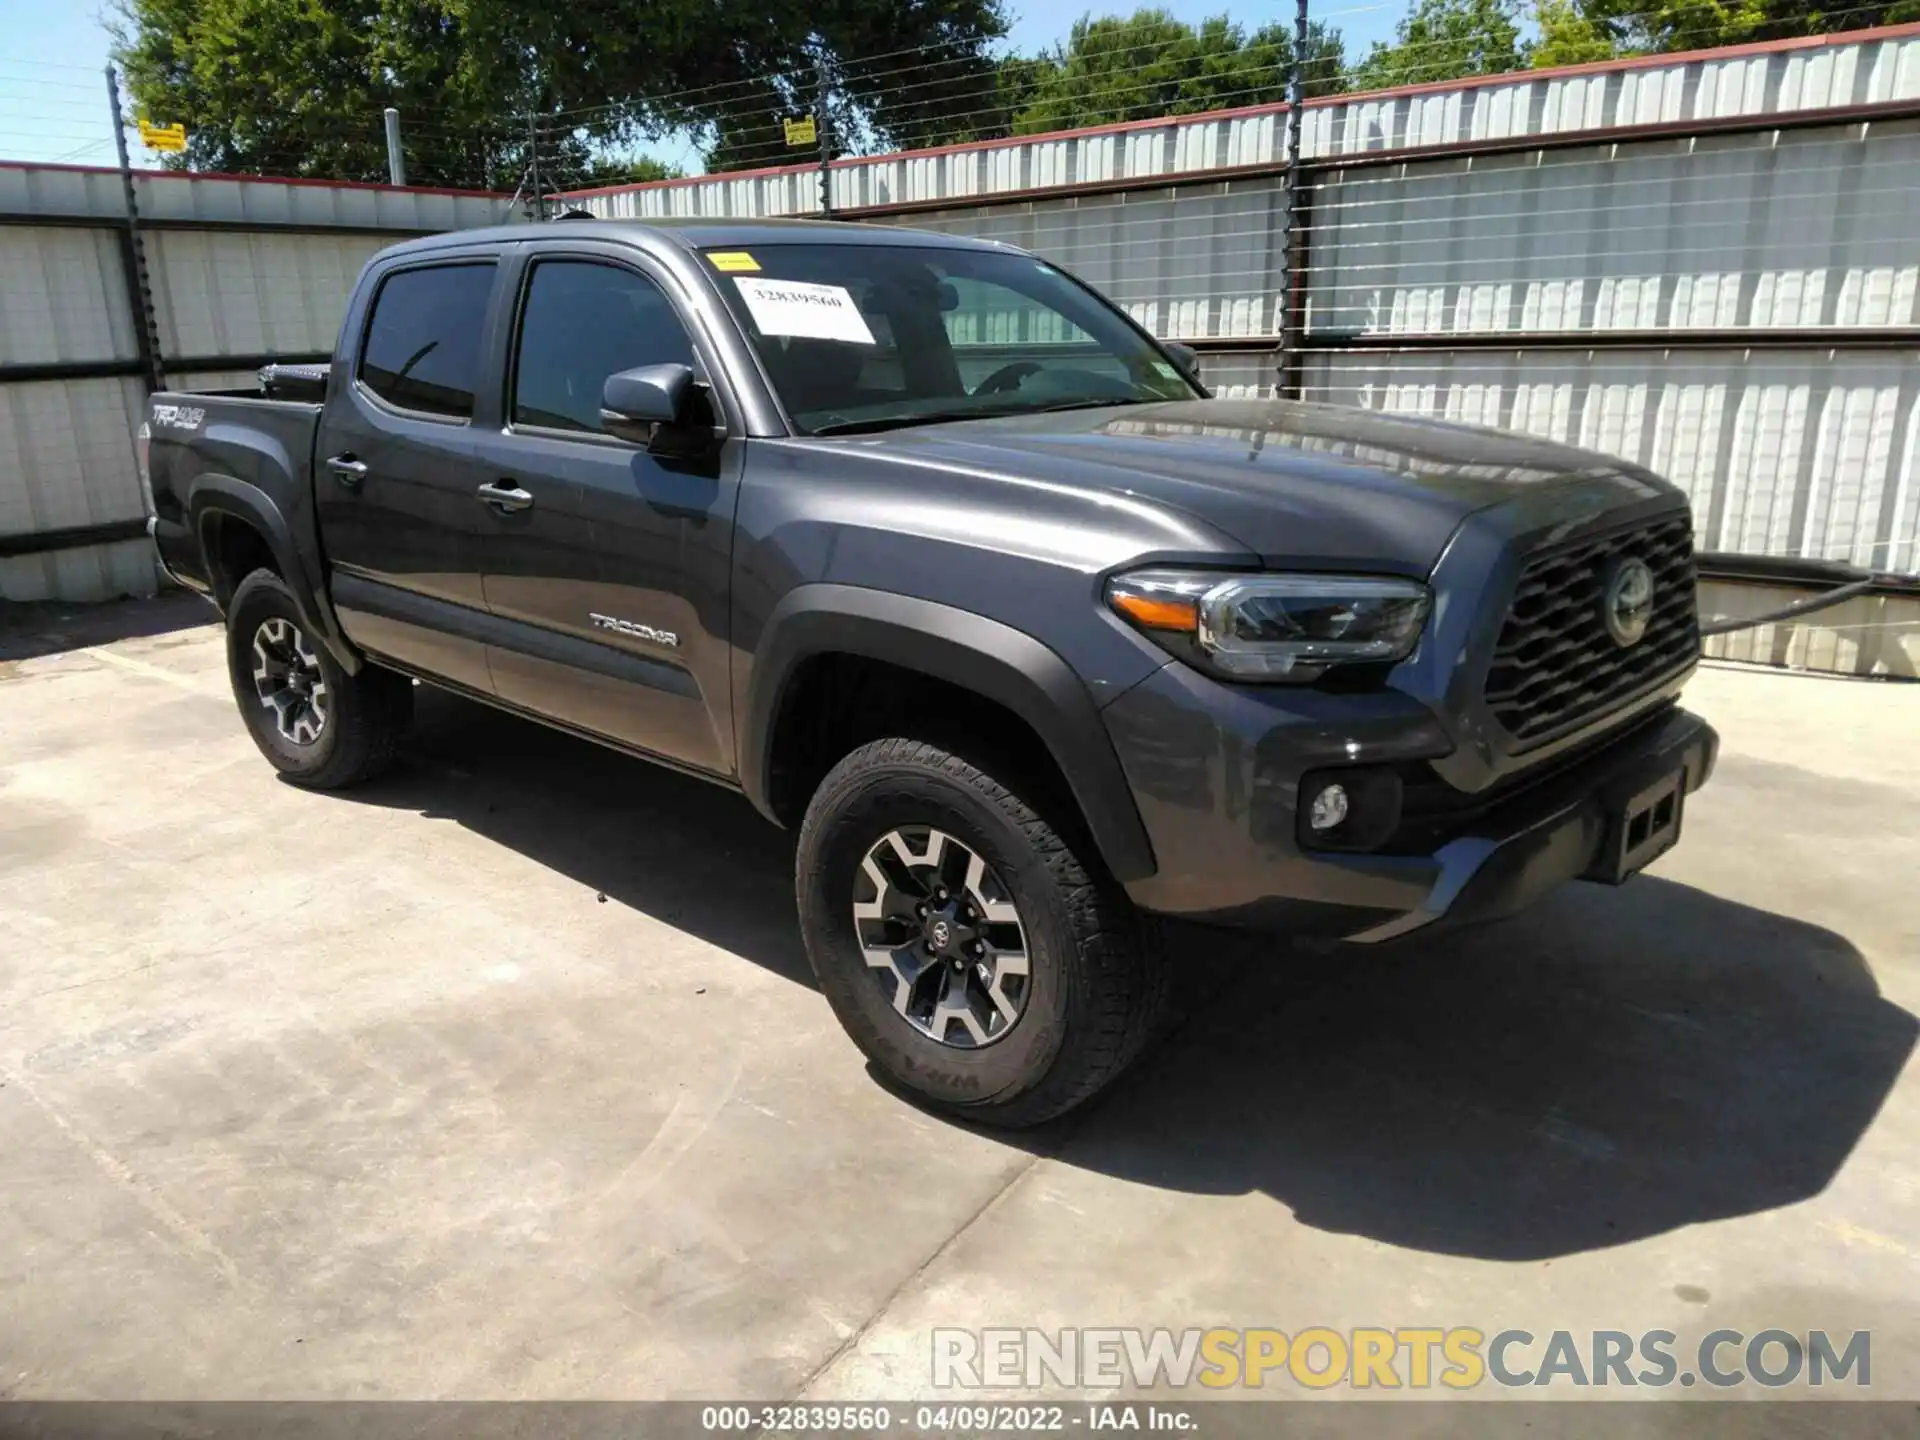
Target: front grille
{"type": "Point", "coordinates": [1557, 666]}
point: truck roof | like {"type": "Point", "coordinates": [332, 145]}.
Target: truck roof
{"type": "Point", "coordinates": [695, 233]}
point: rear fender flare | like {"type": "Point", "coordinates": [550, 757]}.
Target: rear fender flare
{"type": "Point", "coordinates": [214, 496]}
{"type": "Point", "coordinates": [993, 660]}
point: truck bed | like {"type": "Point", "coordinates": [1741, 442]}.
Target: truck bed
{"type": "Point", "coordinates": [250, 448]}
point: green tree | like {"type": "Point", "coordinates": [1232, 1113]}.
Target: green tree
{"type": "Point", "coordinates": [298, 86]}
{"type": "Point", "coordinates": [1151, 64]}
{"type": "Point", "coordinates": [1445, 40]}
{"type": "Point", "coordinates": [605, 168]}
{"type": "Point", "coordinates": [1575, 30]}
{"type": "Point", "coordinates": [1568, 36]}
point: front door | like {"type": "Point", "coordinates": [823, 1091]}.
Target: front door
{"type": "Point", "coordinates": [395, 485]}
{"type": "Point", "coordinates": [607, 567]}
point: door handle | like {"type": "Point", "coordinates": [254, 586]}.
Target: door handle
{"type": "Point", "coordinates": [504, 496]}
{"type": "Point", "coordinates": [348, 471]}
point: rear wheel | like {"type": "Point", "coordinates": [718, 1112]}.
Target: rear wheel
{"type": "Point", "coordinates": [967, 948]}
{"type": "Point", "coordinates": [318, 725]}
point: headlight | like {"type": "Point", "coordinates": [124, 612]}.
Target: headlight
{"type": "Point", "coordinates": [1273, 627]}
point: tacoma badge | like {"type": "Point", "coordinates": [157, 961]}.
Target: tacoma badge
{"type": "Point", "coordinates": [635, 629]}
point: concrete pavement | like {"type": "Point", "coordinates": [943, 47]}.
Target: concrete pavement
{"type": "Point", "coordinates": [505, 1077]}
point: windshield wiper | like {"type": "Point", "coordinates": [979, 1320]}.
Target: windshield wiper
{"type": "Point", "coordinates": [939, 417]}
{"type": "Point", "coordinates": [894, 422]}
{"type": "Point", "coordinates": [1092, 404]}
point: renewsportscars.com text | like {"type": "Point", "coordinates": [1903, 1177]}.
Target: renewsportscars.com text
{"type": "Point", "coordinates": [1409, 1357]}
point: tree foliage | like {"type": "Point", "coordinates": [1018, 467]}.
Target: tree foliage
{"type": "Point", "coordinates": [604, 168]}
{"type": "Point", "coordinates": [298, 86]}
{"type": "Point", "coordinates": [1635, 27]}
{"type": "Point", "coordinates": [1568, 36]}
{"type": "Point", "coordinates": [1151, 63]}
{"type": "Point", "coordinates": [1450, 39]}
{"type": "Point", "coordinates": [1445, 40]}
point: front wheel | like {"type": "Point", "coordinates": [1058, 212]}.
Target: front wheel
{"type": "Point", "coordinates": [967, 949]}
{"type": "Point", "coordinates": [318, 725]}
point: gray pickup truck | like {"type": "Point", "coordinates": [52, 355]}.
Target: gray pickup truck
{"type": "Point", "coordinates": [939, 558]}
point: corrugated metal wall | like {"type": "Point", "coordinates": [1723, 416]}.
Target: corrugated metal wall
{"type": "Point", "coordinates": [1781, 229]}
{"type": "Point", "coordinates": [62, 296]}
{"type": "Point", "coordinates": [46, 191]}
{"type": "Point", "coordinates": [240, 270]}
{"type": "Point", "coordinates": [1187, 263]}
{"type": "Point", "coordinates": [1703, 267]}
{"type": "Point", "coordinates": [1869, 635]}
{"type": "Point", "coordinates": [1682, 280]}
{"type": "Point", "coordinates": [1789, 453]}
{"type": "Point", "coordinates": [1859, 69]}
{"type": "Point", "coordinates": [67, 462]}
{"type": "Point", "coordinates": [253, 292]}
{"type": "Point", "coordinates": [1800, 448]}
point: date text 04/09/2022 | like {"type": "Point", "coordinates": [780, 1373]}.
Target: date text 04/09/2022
{"type": "Point", "coordinates": [971, 1419]}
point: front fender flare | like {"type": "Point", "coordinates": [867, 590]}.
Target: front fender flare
{"type": "Point", "coordinates": [993, 660]}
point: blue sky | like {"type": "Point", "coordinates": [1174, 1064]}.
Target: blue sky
{"type": "Point", "coordinates": [53, 95]}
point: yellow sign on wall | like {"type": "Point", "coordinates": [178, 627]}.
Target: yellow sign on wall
{"type": "Point", "coordinates": [170, 138]}
{"type": "Point", "coordinates": [800, 132]}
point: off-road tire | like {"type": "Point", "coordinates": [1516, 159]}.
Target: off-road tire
{"type": "Point", "coordinates": [366, 714]}
{"type": "Point", "coordinates": [1098, 981]}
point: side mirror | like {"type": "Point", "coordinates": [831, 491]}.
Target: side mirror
{"type": "Point", "coordinates": [634, 402]}
{"type": "Point", "coordinates": [1186, 357]}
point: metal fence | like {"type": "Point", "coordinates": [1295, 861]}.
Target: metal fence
{"type": "Point", "coordinates": [1704, 263]}
{"type": "Point", "coordinates": [230, 273]}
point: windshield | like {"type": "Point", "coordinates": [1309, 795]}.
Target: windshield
{"type": "Point", "coordinates": [871, 337]}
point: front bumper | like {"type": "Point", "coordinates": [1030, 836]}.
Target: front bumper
{"type": "Point", "coordinates": [1217, 779]}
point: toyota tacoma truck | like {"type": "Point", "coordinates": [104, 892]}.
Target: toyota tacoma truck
{"type": "Point", "coordinates": [941, 560]}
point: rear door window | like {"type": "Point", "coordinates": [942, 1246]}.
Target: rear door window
{"type": "Point", "coordinates": [422, 350]}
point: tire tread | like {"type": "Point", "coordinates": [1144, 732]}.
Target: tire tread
{"type": "Point", "coordinates": [1114, 961]}
{"type": "Point", "coordinates": [370, 715]}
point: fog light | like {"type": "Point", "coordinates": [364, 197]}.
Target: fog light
{"type": "Point", "coordinates": [1329, 807]}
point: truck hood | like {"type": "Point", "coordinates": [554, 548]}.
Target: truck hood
{"type": "Point", "coordinates": [1320, 485]}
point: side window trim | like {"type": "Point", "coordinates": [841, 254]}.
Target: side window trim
{"type": "Point", "coordinates": [380, 402]}
{"type": "Point", "coordinates": [614, 260]}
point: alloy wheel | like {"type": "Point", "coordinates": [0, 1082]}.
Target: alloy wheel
{"type": "Point", "coordinates": [942, 937]}
{"type": "Point", "coordinates": [288, 679]}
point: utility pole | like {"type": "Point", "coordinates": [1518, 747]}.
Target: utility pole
{"type": "Point", "coordinates": [826, 142]}
{"type": "Point", "coordinates": [533, 150]}
{"type": "Point", "coordinates": [133, 251]}
{"type": "Point", "coordinates": [1293, 305]}
{"type": "Point", "coordinates": [396, 159]}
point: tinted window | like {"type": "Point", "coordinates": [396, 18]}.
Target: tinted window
{"type": "Point", "coordinates": [423, 343]}
{"type": "Point", "coordinates": [583, 322]}
{"type": "Point", "coordinates": [989, 324]}
{"type": "Point", "coordinates": [873, 336]}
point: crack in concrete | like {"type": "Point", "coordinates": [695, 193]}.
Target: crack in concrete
{"type": "Point", "coordinates": [126, 1180]}
{"type": "Point", "coordinates": [933, 1258]}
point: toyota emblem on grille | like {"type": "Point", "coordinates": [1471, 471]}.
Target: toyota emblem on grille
{"type": "Point", "coordinates": [1627, 603]}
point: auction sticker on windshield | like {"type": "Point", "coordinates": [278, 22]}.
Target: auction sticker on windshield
{"type": "Point", "coordinates": [804, 310]}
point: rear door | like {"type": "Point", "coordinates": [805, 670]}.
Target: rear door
{"type": "Point", "coordinates": [608, 578]}
{"type": "Point", "coordinates": [394, 469]}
